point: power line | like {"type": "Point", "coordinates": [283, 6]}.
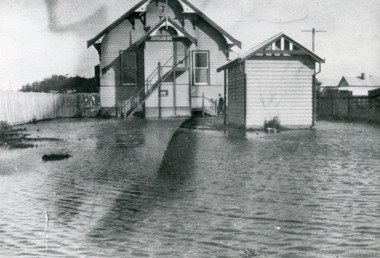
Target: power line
{"type": "Point", "coordinates": [313, 31]}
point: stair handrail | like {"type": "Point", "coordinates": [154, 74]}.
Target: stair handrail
{"type": "Point", "coordinates": [133, 102]}
{"type": "Point", "coordinates": [212, 107]}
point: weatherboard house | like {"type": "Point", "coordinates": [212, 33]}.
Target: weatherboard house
{"type": "Point", "coordinates": [160, 58]}
{"type": "Point", "coordinates": [274, 79]}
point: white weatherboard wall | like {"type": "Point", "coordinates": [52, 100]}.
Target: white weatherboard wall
{"type": "Point", "coordinates": [155, 52]}
{"type": "Point", "coordinates": [279, 86]}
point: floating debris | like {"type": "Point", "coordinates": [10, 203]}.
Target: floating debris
{"type": "Point", "coordinates": [54, 157]}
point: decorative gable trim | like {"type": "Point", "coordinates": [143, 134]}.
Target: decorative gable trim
{"type": "Point", "coordinates": [279, 45]}
{"type": "Point", "coordinates": [141, 7]}
{"type": "Point", "coordinates": [167, 22]}
{"type": "Point", "coordinates": [186, 8]}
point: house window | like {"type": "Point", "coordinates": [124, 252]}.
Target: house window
{"type": "Point", "coordinates": [129, 68]}
{"type": "Point", "coordinates": [201, 68]}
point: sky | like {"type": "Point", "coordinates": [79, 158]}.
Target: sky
{"type": "Point", "coordinates": [39, 38]}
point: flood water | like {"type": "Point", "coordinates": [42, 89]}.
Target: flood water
{"type": "Point", "coordinates": [147, 188]}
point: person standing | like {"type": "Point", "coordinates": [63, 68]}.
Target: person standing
{"type": "Point", "coordinates": [220, 104]}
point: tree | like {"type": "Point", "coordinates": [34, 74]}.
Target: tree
{"type": "Point", "coordinates": [63, 84]}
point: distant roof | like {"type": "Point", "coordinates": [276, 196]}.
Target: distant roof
{"type": "Point", "coordinates": [140, 7]}
{"type": "Point", "coordinates": [369, 81]}
{"type": "Point", "coordinates": [266, 47]}
{"type": "Point", "coordinates": [329, 82]}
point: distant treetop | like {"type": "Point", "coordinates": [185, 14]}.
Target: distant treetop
{"type": "Point", "coordinates": [63, 84]}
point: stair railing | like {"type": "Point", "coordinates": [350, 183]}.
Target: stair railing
{"type": "Point", "coordinates": [155, 79]}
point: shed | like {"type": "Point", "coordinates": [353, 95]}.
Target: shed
{"type": "Point", "coordinates": [274, 78]}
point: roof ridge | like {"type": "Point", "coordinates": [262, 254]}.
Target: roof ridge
{"type": "Point", "coordinates": [142, 2]}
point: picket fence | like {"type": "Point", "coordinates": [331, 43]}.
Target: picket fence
{"type": "Point", "coordinates": [20, 107]}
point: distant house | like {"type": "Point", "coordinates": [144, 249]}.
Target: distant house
{"type": "Point", "coordinates": [328, 84]}
{"type": "Point", "coordinates": [359, 85]}
{"type": "Point", "coordinates": [275, 78]}
{"type": "Point", "coordinates": [160, 58]}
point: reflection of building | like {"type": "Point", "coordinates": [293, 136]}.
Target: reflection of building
{"type": "Point", "coordinates": [275, 78]}
{"type": "Point", "coordinates": [359, 85]}
{"type": "Point", "coordinates": [159, 59]}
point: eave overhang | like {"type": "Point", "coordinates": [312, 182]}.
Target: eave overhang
{"type": "Point", "coordinates": [294, 48]}
{"type": "Point", "coordinates": [141, 7]}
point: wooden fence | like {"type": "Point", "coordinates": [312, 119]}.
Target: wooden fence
{"type": "Point", "coordinates": [20, 107]}
{"type": "Point", "coordinates": [342, 105]}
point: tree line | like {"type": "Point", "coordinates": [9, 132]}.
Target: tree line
{"type": "Point", "coordinates": [63, 84]}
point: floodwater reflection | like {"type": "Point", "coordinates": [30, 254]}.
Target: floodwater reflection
{"type": "Point", "coordinates": [149, 188]}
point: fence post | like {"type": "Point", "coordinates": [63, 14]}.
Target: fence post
{"type": "Point", "coordinates": [350, 106]}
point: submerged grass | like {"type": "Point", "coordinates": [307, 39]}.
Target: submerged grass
{"type": "Point", "coordinates": [55, 156]}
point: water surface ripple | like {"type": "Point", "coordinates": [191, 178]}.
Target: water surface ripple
{"type": "Point", "coordinates": [146, 188]}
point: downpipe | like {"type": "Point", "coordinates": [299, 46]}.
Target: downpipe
{"type": "Point", "coordinates": [314, 95]}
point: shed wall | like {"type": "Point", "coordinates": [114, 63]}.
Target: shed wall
{"type": "Point", "coordinates": [280, 86]}
{"type": "Point", "coordinates": [236, 96]}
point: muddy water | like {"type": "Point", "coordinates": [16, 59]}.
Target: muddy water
{"type": "Point", "coordinates": [144, 188]}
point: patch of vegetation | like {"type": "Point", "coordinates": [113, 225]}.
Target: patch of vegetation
{"type": "Point", "coordinates": [4, 126]}
{"type": "Point", "coordinates": [16, 139]}
{"type": "Point", "coordinates": [274, 123]}
{"type": "Point", "coordinates": [55, 156]}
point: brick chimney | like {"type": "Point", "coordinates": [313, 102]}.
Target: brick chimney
{"type": "Point", "coordinates": [363, 76]}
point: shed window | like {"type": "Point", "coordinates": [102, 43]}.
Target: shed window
{"type": "Point", "coordinates": [201, 68]}
{"type": "Point", "coordinates": [129, 68]}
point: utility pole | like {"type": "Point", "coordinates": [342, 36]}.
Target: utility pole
{"type": "Point", "coordinates": [313, 31]}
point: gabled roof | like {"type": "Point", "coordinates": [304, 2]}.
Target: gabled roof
{"type": "Point", "coordinates": [187, 8]}
{"type": "Point", "coordinates": [369, 81]}
{"type": "Point", "coordinates": [279, 44]}
{"type": "Point", "coordinates": [168, 22]}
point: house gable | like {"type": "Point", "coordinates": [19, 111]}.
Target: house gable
{"type": "Point", "coordinates": [181, 33]}
{"type": "Point", "coordinates": [279, 45]}
{"type": "Point", "coordinates": [343, 83]}
{"type": "Point", "coordinates": [188, 10]}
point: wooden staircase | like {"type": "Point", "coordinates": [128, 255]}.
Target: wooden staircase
{"type": "Point", "coordinates": [128, 107]}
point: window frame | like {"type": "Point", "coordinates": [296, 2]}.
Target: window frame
{"type": "Point", "coordinates": [122, 68]}
{"type": "Point", "coordinates": [194, 52]}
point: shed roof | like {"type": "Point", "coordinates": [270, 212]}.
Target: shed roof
{"type": "Point", "coordinates": [279, 44]}
{"type": "Point", "coordinates": [187, 8]}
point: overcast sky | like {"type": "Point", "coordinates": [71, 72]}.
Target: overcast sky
{"type": "Point", "coordinates": [39, 38]}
